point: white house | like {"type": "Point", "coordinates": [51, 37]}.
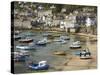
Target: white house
{"type": "Point", "coordinates": [88, 22]}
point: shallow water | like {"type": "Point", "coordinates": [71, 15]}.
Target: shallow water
{"type": "Point", "coordinates": [46, 52]}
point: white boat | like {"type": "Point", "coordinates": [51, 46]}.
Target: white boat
{"type": "Point", "coordinates": [26, 40]}
{"type": "Point", "coordinates": [23, 47]}
{"type": "Point", "coordinates": [46, 34]}
{"type": "Point", "coordinates": [77, 42]}
{"type": "Point", "coordinates": [63, 41]}
{"type": "Point", "coordinates": [75, 45]}
{"type": "Point", "coordinates": [57, 40]}
{"type": "Point", "coordinates": [21, 53]}
{"type": "Point", "coordinates": [64, 37]}
{"type": "Point", "coordinates": [24, 52]}
{"type": "Point", "coordinates": [42, 42]}
{"type": "Point", "coordinates": [17, 32]}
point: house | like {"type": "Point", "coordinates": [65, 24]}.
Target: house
{"type": "Point", "coordinates": [43, 12]}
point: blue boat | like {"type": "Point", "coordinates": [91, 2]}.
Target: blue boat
{"type": "Point", "coordinates": [40, 66]}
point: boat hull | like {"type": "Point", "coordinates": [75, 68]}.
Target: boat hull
{"type": "Point", "coordinates": [25, 48]}
{"type": "Point", "coordinates": [75, 47]}
{"type": "Point", "coordinates": [26, 41]}
{"type": "Point", "coordinates": [36, 67]}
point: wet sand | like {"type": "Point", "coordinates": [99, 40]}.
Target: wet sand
{"type": "Point", "coordinates": [75, 63]}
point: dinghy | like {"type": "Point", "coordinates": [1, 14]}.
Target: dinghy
{"type": "Point", "coordinates": [26, 40]}
{"type": "Point", "coordinates": [59, 53]}
{"type": "Point", "coordinates": [75, 45]}
{"type": "Point", "coordinates": [42, 42]}
{"type": "Point", "coordinates": [85, 54]}
{"type": "Point", "coordinates": [20, 56]}
{"type": "Point", "coordinates": [23, 47]}
{"type": "Point", "coordinates": [17, 37]}
{"type": "Point", "coordinates": [42, 65]}
{"type": "Point", "coordinates": [64, 37]}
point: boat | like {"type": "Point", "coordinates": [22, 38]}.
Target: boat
{"type": "Point", "coordinates": [75, 45]}
{"type": "Point", "coordinates": [42, 65]}
{"type": "Point", "coordinates": [24, 47]}
{"type": "Point", "coordinates": [63, 41]}
{"type": "Point", "coordinates": [26, 40]}
{"type": "Point", "coordinates": [18, 56]}
{"type": "Point", "coordinates": [46, 34]}
{"type": "Point", "coordinates": [24, 52]}
{"type": "Point", "coordinates": [64, 37]}
{"type": "Point", "coordinates": [85, 54]}
{"type": "Point", "coordinates": [21, 53]}
{"type": "Point", "coordinates": [77, 42]}
{"type": "Point", "coordinates": [17, 37]}
{"type": "Point", "coordinates": [42, 42]}
{"type": "Point", "coordinates": [57, 40]}
{"type": "Point", "coordinates": [59, 53]}
{"type": "Point", "coordinates": [17, 32]}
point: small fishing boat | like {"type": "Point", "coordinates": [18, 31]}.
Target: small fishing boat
{"type": "Point", "coordinates": [59, 53]}
{"type": "Point", "coordinates": [42, 42]}
{"type": "Point", "coordinates": [42, 65]}
{"type": "Point", "coordinates": [19, 56]}
{"type": "Point", "coordinates": [17, 37]}
{"type": "Point", "coordinates": [64, 42]}
{"type": "Point", "coordinates": [17, 32]}
{"type": "Point", "coordinates": [57, 40]}
{"type": "Point", "coordinates": [24, 52]}
{"type": "Point", "coordinates": [24, 47]}
{"type": "Point", "coordinates": [26, 40]}
{"type": "Point", "coordinates": [64, 37]}
{"type": "Point", "coordinates": [75, 45]}
{"type": "Point", "coordinates": [85, 54]}
{"type": "Point", "coordinates": [77, 42]}
{"type": "Point", "coordinates": [47, 34]}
